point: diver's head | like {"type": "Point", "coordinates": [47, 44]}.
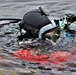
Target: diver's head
{"type": "Point", "coordinates": [32, 22]}
{"type": "Point", "coordinates": [36, 23]}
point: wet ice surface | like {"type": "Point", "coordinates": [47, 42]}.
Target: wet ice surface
{"type": "Point", "coordinates": [8, 41]}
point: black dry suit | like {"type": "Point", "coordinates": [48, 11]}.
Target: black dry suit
{"type": "Point", "coordinates": [36, 24]}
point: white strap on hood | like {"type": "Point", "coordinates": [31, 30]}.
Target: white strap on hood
{"type": "Point", "coordinates": [47, 27]}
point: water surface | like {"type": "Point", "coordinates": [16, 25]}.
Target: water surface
{"type": "Point", "coordinates": [16, 9]}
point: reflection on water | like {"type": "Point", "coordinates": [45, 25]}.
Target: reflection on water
{"type": "Point", "coordinates": [8, 42]}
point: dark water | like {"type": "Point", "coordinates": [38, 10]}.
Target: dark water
{"type": "Point", "coordinates": [16, 9]}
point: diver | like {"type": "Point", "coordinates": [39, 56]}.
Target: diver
{"type": "Point", "coordinates": [38, 24]}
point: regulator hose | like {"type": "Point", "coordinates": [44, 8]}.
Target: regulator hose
{"type": "Point", "coordinates": [10, 19]}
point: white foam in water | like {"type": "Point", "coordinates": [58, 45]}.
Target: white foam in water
{"type": "Point", "coordinates": [4, 22]}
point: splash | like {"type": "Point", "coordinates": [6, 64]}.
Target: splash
{"type": "Point", "coordinates": [56, 57]}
